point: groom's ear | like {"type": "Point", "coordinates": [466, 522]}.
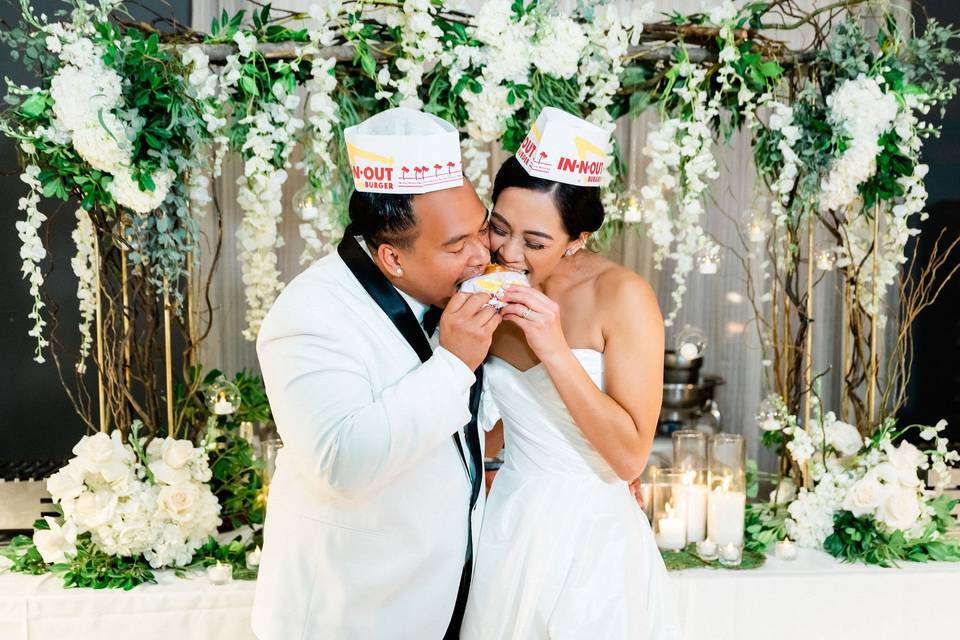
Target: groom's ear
{"type": "Point", "coordinates": [389, 257]}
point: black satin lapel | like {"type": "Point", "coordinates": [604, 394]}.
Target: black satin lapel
{"type": "Point", "coordinates": [384, 294]}
{"type": "Point", "coordinates": [473, 436]}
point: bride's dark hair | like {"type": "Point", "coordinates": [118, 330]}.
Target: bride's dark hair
{"type": "Point", "coordinates": [580, 207]}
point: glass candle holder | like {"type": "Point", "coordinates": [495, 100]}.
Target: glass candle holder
{"type": "Point", "coordinates": [647, 479]}
{"type": "Point", "coordinates": [727, 500]}
{"type": "Point", "coordinates": [690, 458]}
{"type": "Point", "coordinates": [669, 514]}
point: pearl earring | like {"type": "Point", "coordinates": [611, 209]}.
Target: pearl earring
{"type": "Point", "coordinates": [399, 272]}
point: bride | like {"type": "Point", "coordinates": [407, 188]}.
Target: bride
{"type": "Point", "coordinates": [576, 378]}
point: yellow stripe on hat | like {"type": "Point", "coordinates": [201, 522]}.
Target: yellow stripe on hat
{"type": "Point", "coordinates": [357, 152]}
{"type": "Point", "coordinates": [584, 146]}
{"type": "Point", "coordinates": [536, 132]}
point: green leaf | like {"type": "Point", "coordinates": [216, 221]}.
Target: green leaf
{"type": "Point", "coordinates": [34, 106]}
{"type": "Point", "coordinates": [771, 69]}
{"type": "Point", "coordinates": [249, 85]}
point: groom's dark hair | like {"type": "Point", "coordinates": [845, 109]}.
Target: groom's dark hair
{"type": "Point", "coordinates": [383, 218]}
{"type": "Point", "coordinates": [580, 207]}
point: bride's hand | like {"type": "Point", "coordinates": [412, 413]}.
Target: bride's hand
{"type": "Point", "coordinates": [539, 318]}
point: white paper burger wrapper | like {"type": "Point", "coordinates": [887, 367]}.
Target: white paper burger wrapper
{"type": "Point", "coordinates": [493, 281]}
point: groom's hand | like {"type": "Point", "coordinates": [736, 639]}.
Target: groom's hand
{"type": "Point", "coordinates": [467, 326]}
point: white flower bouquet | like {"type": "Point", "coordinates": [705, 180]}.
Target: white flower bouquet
{"type": "Point", "coordinates": [865, 499]}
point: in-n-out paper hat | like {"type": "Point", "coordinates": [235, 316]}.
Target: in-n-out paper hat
{"type": "Point", "coordinates": [564, 148]}
{"type": "Point", "coordinates": [403, 150]}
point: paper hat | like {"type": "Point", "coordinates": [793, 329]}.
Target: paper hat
{"type": "Point", "coordinates": [403, 150]}
{"type": "Point", "coordinates": [564, 148]}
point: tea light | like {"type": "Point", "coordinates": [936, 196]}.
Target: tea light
{"type": "Point", "coordinates": [707, 549]}
{"type": "Point", "coordinates": [220, 573]}
{"type": "Point", "coordinates": [707, 265]}
{"type": "Point", "coordinates": [785, 550]}
{"type": "Point", "coordinates": [730, 555]}
{"type": "Point", "coordinates": [671, 531]}
{"type": "Point", "coordinates": [222, 406]}
{"type": "Point", "coordinates": [826, 260]}
{"type": "Point", "coordinates": [253, 558]}
{"type": "Point", "coordinates": [756, 231]}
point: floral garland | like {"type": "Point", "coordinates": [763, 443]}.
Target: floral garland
{"type": "Point", "coordinates": [85, 267]}
{"type": "Point", "coordinates": [317, 211]}
{"type": "Point", "coordinates": [267, 146]}
{"type": "Point", "coordinates": [32, 253]}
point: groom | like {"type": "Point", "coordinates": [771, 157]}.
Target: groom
{"type": "Point", "coordinates": [375, 506]}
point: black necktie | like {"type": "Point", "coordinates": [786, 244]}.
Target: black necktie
{"type": "Point", "coordinates": [431, 319]}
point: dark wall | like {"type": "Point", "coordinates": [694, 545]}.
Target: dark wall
{"type": "Point", "coordinates": [934, 389]}
{"type": "Point", "coordinates": [36, 417]}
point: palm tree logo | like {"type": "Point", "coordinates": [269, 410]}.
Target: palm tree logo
{"type": "Point", "coordinates": [450, 166]}
{"type": "Point", "coordinates": [405, 172]}
{"type": "Point", "coordinates": [437, 168]}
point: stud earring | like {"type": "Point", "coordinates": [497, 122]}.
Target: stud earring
{"type": "Point", "coordinates": [399, 272]}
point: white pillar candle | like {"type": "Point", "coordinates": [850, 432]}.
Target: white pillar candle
{"type": "Point", "coordinates": [220, 573]}
{"type": "Point", "coordinates": [694, 497]}
{"type": "Point", "coordinates": [725, 514]}
{"type": "Point", "coordinates": [671, 530]}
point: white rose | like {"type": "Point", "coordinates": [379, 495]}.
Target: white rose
{"type": "Point", "coordinates": [179, 501]}
{"type": "Point", "coordinates": [95, 508]}
{"type": "Point", "coordinates": [900, 509]}
{"type": "Point", "coordinates": [786, 494]}
{"type": "Point", "coordinates": [843, 437]}
{"type": "Point", "coordinates": [165, 474]}
{"type": "Point", "coordinates": [864, 496]}
{"type": "Point", "coordinates": [178, 453]}
{"type": "Point", "coordinates": [93, 451]}
{"type": "Point", "coordinates": [905, 458]}
{"type": "Point", "coordinates": [67, 483]}
{"type": "Point", "coordinates": [55, 543]}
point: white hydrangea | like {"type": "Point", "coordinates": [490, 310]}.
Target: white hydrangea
{"type": "Point", "coordinates": [559, 46]}
{"type": "Point", "coordinates": [103, 145]}
{"type": "Point", "coordinates": [862, 110]}
{"type": "Point", "coordinates": [126, 190]}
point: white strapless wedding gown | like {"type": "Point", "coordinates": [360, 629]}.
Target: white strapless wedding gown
{"type": "Point", "coordinates": [565, 552]}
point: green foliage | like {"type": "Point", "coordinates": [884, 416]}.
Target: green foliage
{"type": "Point", "coordinates": [234, 553]}
{"type": "Point", "coordinates": [688, 559]}
{"type": "Point", "coordinates": [860, 539]}
{"type": "Point", "coordinates": [24, 555]}
{"type": "Point", "coordinates": [94, 569]}
{"type": "Point", "coordinates": [764, 526]}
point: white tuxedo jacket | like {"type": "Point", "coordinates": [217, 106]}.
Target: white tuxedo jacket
{"type": "Point", "coordinates": [367, 517]}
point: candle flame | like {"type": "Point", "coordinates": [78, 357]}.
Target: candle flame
{"type": "Point", "coordinates": [726, 484]}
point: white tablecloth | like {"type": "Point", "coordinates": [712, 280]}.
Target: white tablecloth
{"type": "Point", "coordinates": [38, 607]}
{"type": "Point", "coordinates": [812, 598]}
{"type": "Point", "coordinates": [816, 598]}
